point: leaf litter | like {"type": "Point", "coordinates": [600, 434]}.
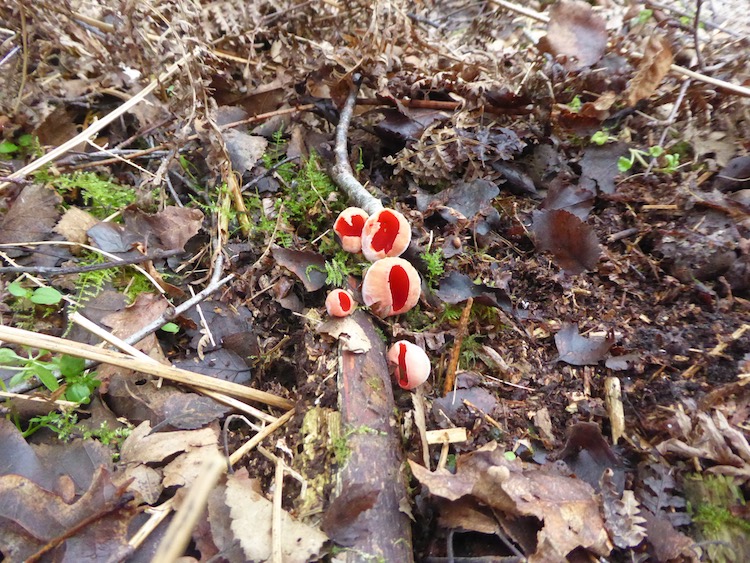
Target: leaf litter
{"type": "Point", "coordinates": [507, 157]}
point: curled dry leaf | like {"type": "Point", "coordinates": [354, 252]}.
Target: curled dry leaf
{"type": "Point", "coordinates": [621, 514]}
{"type": "Point", "coordinates": [308, 266]}
{"type": "Point", "coordinates": [578, 350]}
{"type": "Point", "coordinates": [572, 242]}
{"type": "Point", "coordinates": [576, 32]}
{"type": "Point", "coordinates": [657, 58]}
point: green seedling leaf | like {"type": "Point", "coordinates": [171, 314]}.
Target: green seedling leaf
{"type": "Point", "coordinates": [19, 378]}
{"type": "Point", "coordinates": [46, 296]}
{"type": "Point", "coordinates": [624, 164]}
{"type": "Point", "coordinates": [26, 140]}
{"type": "Point", "coordinates": [644, 16]}
{"type": "Point", "coordinates": [8, 357]}
{"type": "Point", "coordinates": [78, 393]}
{"type": "Point", "coordinates": [171, 328]}
{"type": "Point", "coordinates": [70, 366]}
{"type": "Point", "coordinates": [6, 147]}
{"type": "Point", "coordinates": [45, 375]}
{"type": "Point", "coordinates": [656, 151]}
{"type": "Point", "coordinates": [599, 138]}
{"type": "Point", "coordinates": [17, 290]}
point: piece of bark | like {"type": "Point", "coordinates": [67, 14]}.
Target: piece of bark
{"type": "Point", "coordinates": [375, 458]}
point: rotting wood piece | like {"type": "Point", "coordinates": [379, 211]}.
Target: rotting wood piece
{"type": "Point", "coordinates": [374, 453]}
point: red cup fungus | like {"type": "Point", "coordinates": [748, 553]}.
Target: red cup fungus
{"type": "Point", "coordinates": [348, 227]}
{"type": "Point", "coordinates": [340, 303]}
{"type": "Point", "coordinates": [385, 234]}
{"type": "Point", "coordinates": [410, 363]}
{"type": "Point", "coordinates": [391, 286]}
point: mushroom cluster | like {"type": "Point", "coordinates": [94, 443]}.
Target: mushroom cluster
{"type": "Point", "coordinates": [391, 285]}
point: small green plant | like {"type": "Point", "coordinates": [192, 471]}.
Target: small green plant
{"type": "Point", "coordinates": [602, 138]}
{"type": "Point", "coordinates": [38, 296]}
{"type": "Point", "coordinates": [671, 160]}
{"type": "Point", "coordinates": [337, 270]}
{"type": "Point", "coordinates": [644, 16]}
{"type": "Point", "coordinates": [65, 424]}
{"type": "Point", "coordinates": [103, 196]}
{"type": "Point", "coordinates": [79, 383]}
{"type": "Point", "coordinates": [435, 265]}
{"type": "Point", "coordinates": [470, 350]}
{"type": "Point", "coordinates": [24, 146]}
{"type": "Point", "coordinates": [575, 104]}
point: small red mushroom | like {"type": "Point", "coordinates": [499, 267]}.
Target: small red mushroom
{"type": "Point", "coordinates": [348, 227]}
{"type": "Point", "coordinates": [391, 286]}
{"type": "Point", "coordinates": [410, 363]}
{"type": "Point", "coordinates": [386, 233]}
{"type": "Point", "coordinates": [340, 303]}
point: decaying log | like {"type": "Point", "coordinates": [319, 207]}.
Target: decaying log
{"type": "Point", "coordinates": [372, 475]}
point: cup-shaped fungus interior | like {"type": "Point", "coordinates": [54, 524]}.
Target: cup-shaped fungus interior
{"type": "Point", "coordinates": [340, 303]}
{"type": "Point", "coordinates": [385, 234]}
{"type": "Point", "coordinates": [391, 286]}
{"type": "Point", "coordinates": [348, 226]}
{"type": "Point", "coordinates": [411, 365]}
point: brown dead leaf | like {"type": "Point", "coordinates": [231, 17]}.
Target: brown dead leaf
{"type": "Point", "coordinates": [74, 224]}
{"type": "Point", "coordinates": [252, 514]}
{"type": "Point", "coordinates": [572, 242]}
{"type": "Point", "coordinates": [146, 308]}
{"type": "Point", "coordinates": [244, 150]}
{"type": "Point", "coordinates": [575, 31]}
{"type": "Point", "coordinates": [31, 216]}
{"type": "Point", "coordinates": [657, 58]}
{"type": "Point", "coordinates": [167, 230]}
{"type": "Point", "coordinates": [621, 514]}
{"type": "Point", "coordinates": [566, 508]}
{"type": "Point", "coordinates": [340, 519]}
{"type": "Point", "coordinates": [578, 350]}
{"type": "Point", "coordinates": [308, 266]}
{"type": "Point", "coordinates": [31, 516]}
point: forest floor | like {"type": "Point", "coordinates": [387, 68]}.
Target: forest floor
{"type": "Point", "coordinates": [576, 183]}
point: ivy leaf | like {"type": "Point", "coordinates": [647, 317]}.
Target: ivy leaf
{"type": "Point", "coordinates": [6, 147]}
{"type": "Point", "coordinates": [70, 366]}
{"type": "Point", "coordinates": [46, 296]}
{"type": "Point", "coordinates": [46, 376]}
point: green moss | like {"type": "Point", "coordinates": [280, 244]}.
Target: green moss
{"type": "Point", "coordinates": [101, 195]}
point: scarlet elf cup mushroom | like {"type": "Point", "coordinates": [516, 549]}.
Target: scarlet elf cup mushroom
{"type": "Point", "coordinates": [391, 286]}
{"type": "Point", "coordinates": [411, 365]}
{"type": "Point", "coordinates": [385, 234]}
{"type": "Point", "coordinates": [348, 227]}
{"type": "Point", "coordinates": [340, 303]}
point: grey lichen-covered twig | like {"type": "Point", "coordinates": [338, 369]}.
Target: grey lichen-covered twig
{"type": "Point", "coordinates": [342, 172]}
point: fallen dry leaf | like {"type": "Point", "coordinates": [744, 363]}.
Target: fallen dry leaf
{"type": "Point", "coordinates": [167, 230]}
{"type": "Point", "coordinates": [575, 31]}
{"type": "Point", "coordinates": [572, 242]}
{"type": "Point", "coordinates": [31, 216]}
{"type": "Point", "coordinates": [578, 350]}
{"type": "Point", "coordinates": [621, 514]}
{"type": "Point", "coordinates": [74, 224]}
{"type": "Point", "coordinates": [308, 266]}
{"type": "Point", "coordinates": [567, 508]}
{"type": "Point", "coordinates": [244, 150]}
{"type": "Point", "coordinates": [252, 514]}
{"type": "Point", "coordinates": [657, 58]}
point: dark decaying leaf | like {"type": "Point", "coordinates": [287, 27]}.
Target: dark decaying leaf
{"type": "Point", "coordinates": [575, 31]}
{"type": "Point", "coordinates": [572, 242]}
{"type": "Point", "coordinates": [169, 229]}
{"type": "Point", "coordinates": [659, 492]}
{"type": "Point", "coordinates": [221, 364]}
{"type": "Point", "coordinates": [588, 455]}
{"type": "Point", "coordinates": [657, 58]}
{"type": "Point", "coordinates": [621, 514]}
{"type": "Point", "coordinates": [340, 519]}
{"type": "Point", "coordinates": [457, 288]}
{"type": "Point", "coordinates": [578, 350]}
{"type": "Point", "coordinates": [666, 543]}
{"type": "Point", "coordinates": [734, 176]}
{"type": "Point", "coordinates": [451, 408]}
{"type": "Point", "coordinates": [31, 216]}
{"type": "Point", "coordinates": [466, 198]}
{"type": "Point", "coordinates": [599, 167]}
{"type": "Point", "coordinates": [146, 308]}
{"type": "Point", "coordinates": [308, 266]}
{"type": "Point", "coordinates": [221, 319]}
{"type": "Point", "coordinates": [188, 411]}
{"type": "Point", "coordinates": [398, 129]}
{"type": "Point", "coordinates": [575, 199]}
{"type": "Point", "coordinates": [31, 516]}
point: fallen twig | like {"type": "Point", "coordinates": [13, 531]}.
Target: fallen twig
{"type": "Point", "coordinates": [77, 349]}
{"type": "Point", "coordinates": [450, 374]}
{"type": "Point", "coordinates": [342, 172]}
{"type": "Point", "coordinates": [60, 271]}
